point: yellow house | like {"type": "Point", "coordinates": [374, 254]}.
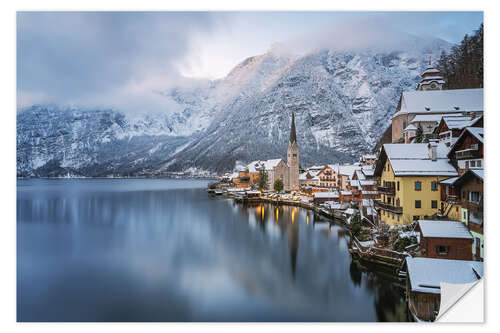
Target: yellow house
{"type": "Point", "coordinates": [408, 176]}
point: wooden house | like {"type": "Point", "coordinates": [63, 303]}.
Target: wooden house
{"type": "Point", "coordinates": [424, 278]}
{"type": "Point", "coordinates": [468, 151]}
{"type": "Point", "coordinates": [445, 240]}
{"type": "Point", "coordinates": [450, 127]}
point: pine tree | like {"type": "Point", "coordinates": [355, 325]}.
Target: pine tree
{"type": "Point", "coordinates": [463, 66]}
{"type": "Point", "coordinates": [263, 178]}
{"type": "Point", "coordinates": [419, 136]}
{"type": "Point", "coordinates": [278, 185]}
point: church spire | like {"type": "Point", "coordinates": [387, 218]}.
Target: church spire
{"type": "Point", "coordinates": [293, 135]}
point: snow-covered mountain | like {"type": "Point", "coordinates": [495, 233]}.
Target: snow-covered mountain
{"type": "Point", "coordinates": [343, 101]}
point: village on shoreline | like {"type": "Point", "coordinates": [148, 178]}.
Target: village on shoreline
{"type": "Point", "coordinates": [414, 205]}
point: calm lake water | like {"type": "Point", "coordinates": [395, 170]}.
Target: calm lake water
{"type": "Point", "coordinates": [165, 250]}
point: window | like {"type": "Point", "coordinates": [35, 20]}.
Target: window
{"type": "Point", "coordinates": [434, 204]}
{"type": "Point", "coordinates": [442, 250]}
{"type": "Point", "coordinates": [418, 186]}
{"type": "Point", "coordinates": [398, 186]}
{"type": "Point", "coordinates": [415, 217]}
{"type": "Point", "coordinates": [478, 163]}
{"type": "Point", "coordinates": [433, 186]}
{"type": "Point", "coordinates": [418, 204]}
{"type": "Point", "coordinates": [475, 196]}
{"type": "Point", "coordinates": [472, 164]}
{"type": "Point", "coordinates": [393, 216]}
{"type": "Point", "coordinates": [398, 217]}
{"type": "Point", "coordinates": [397, 202]}
{"type": "Point", "coordinates": [294, 155]}
{"type": "Point", "coordinates": [466, 164]}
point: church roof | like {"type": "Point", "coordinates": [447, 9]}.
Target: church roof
{"type": "Point", "coordinates": [268, 165]}
{"type": "Point", "coordinates": [441, 101]}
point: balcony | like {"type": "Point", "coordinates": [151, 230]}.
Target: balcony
{"type": "Point", "coordinates": [386, 190]}
{"type": "Point", "coordinates": [471, 152]}
{"type": "Point", "coordinates": [452, 199]}
{"type": "Point", "coordinates": [389, 207]}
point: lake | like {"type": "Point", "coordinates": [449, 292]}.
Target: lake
{"type": "Point", "coordinates": [165, 250]}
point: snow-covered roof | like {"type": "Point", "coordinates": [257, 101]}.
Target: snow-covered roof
{"type": "Point", "coordinates": [336, 205]}
{"type": "Point", "coordinates": [367, 202]}
{"type": "Point", "coordinates": [430, 70]}
{"type": "Point", "coordinates": [268, 165]}
{"type": "Point", "coordinates": [479, 173]}
{"type": "Point", "coordinates": [369, 192]}
{"type": "Point", "coordinates": [351, 211]}
{"type": "Point", "coordinates": [348, 170]}
{"type": "Point", "coordinates": [441, 101]}
{"type": "Point", "coordinates": [410, 127]}
{"type": "Point", "coordinates": [449, 181]}
{"type": "Point", "coordinates": [458, 122]}
{"type": "Point", "coordinates": [427, 167]}
{"type": "Point", "coordinates": [346, 192]}
{"type": "Point", "coordinates": [414, 159]}
{"type": "Point", "coordinates": [315, 167]}
{"type": "Point", "coordinates": [413, 151]}
{"type": "Point", "coordinates": [367, 182]}
{"type": "Point", "coordinates": [302, 176]}
{"type": "Point", "coordinates": [326, 195]}
{"type": "Point", "coordinates": [477, 132]}
{"type": "Point", "coordinates": [368, 171]}
{"type": "Point", "coordinates": [426, 274]}
{"type": "Point", "coordinates": [369, 157]}
{"type": "Point", "coordinates": [427, 118]}
{"type": "Point", "coordinates": [354, 183]}
{"type": "Point", "coordinates": [360, 175]}
{"type": "Point", "coordinates": [444, 229]}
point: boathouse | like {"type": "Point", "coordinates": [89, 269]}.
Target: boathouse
{"type": "Point", "coordinates": [424, 278]}
{"type": "Point", "coordinates": [445, 240]}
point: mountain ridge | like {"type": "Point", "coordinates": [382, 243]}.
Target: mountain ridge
{"type": "Point", "coordinates": [343, 101]}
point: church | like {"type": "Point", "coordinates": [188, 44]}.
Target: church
{"type": "Point", "coordinates": [276, 169]}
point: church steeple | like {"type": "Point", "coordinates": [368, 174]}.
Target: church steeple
{"type": "Point", "coordinates": [431, 78]}
{"type": "Point", "coordinates": [293, 159]}
{"type": "Point", "coordinates": [293, 135]}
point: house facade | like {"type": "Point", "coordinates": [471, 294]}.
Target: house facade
{"type": "Point", "coordinates": [468, 151]}
{"type": "Point", "coordinates": [408, 179]}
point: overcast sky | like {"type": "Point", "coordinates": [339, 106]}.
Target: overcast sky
{"type": "Point", "coordinates": [111, 57]}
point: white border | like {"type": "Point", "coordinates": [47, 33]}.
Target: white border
{"type": "Point", "coordinates": [7, 132]}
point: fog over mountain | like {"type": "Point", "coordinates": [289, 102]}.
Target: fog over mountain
{"type": "Point", "coordinates": [343, 93]}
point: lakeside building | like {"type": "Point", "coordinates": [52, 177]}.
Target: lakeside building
{"type": "Point", "coordinates": [242, 180]}
{"type": "Point", "coordinates": [276, 169]}
{"type": "Point", "coordinates": [424, 278]}
{"type": "Point", "coordinates": [429, 103]}
{"type": "Point", "coordinates": [462, 199]}
{"type": "Point", "coordinates": [445, 240]}
{"type": "Point", "coordinates": [468, 150]}
{"type": "Point", "coordinates": [309, 178]}
{"type": "Point", "coordinates": [328, 177]}
{"type": "Point", "coordinates": [449, 128]}
{"type": "Point", "coordinates": [408, 178]}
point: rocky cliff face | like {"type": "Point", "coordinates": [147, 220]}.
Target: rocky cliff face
{"type": "Point", "coordinates": [343, 101]}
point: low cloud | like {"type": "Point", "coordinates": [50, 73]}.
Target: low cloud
{"type": "Point", "coordinates": [107, 59]}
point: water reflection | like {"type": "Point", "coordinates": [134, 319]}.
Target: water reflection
{"type": "Point", "coordinates": [163, 250]}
